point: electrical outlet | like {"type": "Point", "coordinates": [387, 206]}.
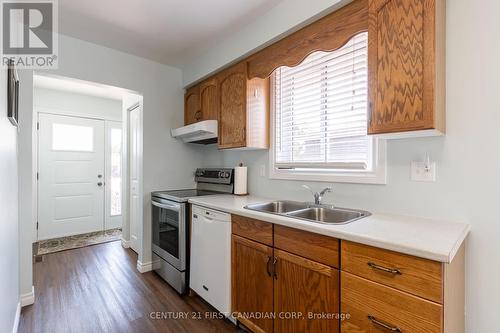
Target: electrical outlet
{"type": "Point", "coordinates": [419, 174]}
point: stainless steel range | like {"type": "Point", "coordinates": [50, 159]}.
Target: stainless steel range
{"type": "Point", "coordinates": [170, 218]}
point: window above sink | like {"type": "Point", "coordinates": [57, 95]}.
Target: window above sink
{"type": "Point", "coordinates": [319, 119]}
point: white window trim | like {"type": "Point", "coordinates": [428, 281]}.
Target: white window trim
{"type": "Point", "coordinates": [376, 176]}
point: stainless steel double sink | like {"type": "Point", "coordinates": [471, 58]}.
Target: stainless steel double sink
{"type": "Point", "coordinates": [310, 212]}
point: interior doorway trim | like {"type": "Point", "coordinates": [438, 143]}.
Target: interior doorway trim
{"type": "Point", "coordinates": [135, 235]}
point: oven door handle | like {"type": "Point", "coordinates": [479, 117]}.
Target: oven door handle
{"type": "Point", "coordinates": [166, 206]}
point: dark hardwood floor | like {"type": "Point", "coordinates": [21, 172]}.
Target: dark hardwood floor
{"type": "Point", "coordinates": [98, 289]}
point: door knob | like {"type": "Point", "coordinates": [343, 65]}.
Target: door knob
{"type": "Point", "coordinates": [99, 184]}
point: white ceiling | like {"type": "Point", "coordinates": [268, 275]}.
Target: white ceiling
{"type": "Point", "coordinates": [160, 30]}
{"type": "Point", "coordinates": [79, 87]}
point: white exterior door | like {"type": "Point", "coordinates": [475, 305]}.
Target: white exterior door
{"type": "Point", "coordinates": [71, 176]}
{"type": "Point", "coordinates": [135, 199]}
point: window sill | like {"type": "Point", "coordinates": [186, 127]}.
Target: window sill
{"type": "Point", "coordinates": [379, 176]}
{"type": "Point", "coordinates": [335, 177]}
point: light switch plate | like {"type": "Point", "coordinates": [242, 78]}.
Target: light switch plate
{"type": "Point", "coordinates": [419, 174]}
{"type": "Point", "coordinates": [262, 170]}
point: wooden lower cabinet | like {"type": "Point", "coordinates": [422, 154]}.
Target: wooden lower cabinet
{"type": "Point", "coordinates": [306, 295]}
{"type": "Point", "coordinates": [252, 229]}
{"type": "Point", "coordinates": [279, 285]}
{"type": "Point", "coordinates": [252, 284]}
{"type": "Point", "coordinates": [416, 276]}
{"type": "Point", "coordinates": [373, 307]}
{"type": "Point", "coordinates": [276, 291]}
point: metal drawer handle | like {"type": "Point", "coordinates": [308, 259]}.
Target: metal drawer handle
{"type": "Point", "coordinates": [275, 263]}
{"type": "Point", "coordinates": [385, 269]}
{"type": "Point", "coordinates": [268, 265]}
{"type": "Point", "coordinates": [384, 325]}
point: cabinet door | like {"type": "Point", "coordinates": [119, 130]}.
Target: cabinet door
{"type": "Point", "coordinates": [192, 112]}
{"type": "Point", "coordinates": [308, 289]}
{"type": "Point", "coordinates": [232, 114]}
{"type": "Point", "coordinates": [252, 283]}
{"type": "Point", "coordinates": [209, 99]}
{"type": "Point", "coordinates": [257, 129]}
{"type": "Point", "coordinates": [401, 52]}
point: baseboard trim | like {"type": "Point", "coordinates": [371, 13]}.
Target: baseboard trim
{"type": "Point", "coordinates": [17, 318]}
{"type": "Point", "coordinates": [144, 267]}
{"type": "Point", "coordinates": [28, 298]}
{"type": "Point", "coordinates": [125, 243]}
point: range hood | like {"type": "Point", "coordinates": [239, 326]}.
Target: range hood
{"type": "Point", "coordinates": [203, 132]}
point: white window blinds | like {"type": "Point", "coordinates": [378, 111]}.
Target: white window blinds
{"type": "Point", "coordinates": [321, 110]}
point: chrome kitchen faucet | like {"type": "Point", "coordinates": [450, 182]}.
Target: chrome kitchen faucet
{"type": "Point", "coordinates": [318, 196]}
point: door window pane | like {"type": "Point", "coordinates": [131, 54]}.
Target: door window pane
{"type": "Point", "coordinates": [116, 172]}
{"type": "Point", "coordinates": [72, 138]}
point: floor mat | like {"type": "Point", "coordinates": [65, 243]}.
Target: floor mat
{"type": "Point", "coordinates": [77, 241]}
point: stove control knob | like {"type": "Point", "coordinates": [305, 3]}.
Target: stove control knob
{"type": "Point", "coordinates": [221, 174]}
{"type": "Point", "coordinates": [227, 175]}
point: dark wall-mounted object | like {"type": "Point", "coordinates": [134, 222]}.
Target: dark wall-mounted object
{"type": "Point", "coordinates": [12, 94]}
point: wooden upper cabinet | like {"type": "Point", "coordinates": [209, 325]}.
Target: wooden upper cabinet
{"type": "Point", "coordinates": [209, 99]}
{"type": "Point", "coordinates": [326, 34]}
{"type": "Point", "coordinates": [244, 109]}
{"type": "Point", "coordinates": [303, 286]}
{"type": "Point", "coordinates": [201, 102]}
{"type": "Point", "coordinates": [252, 283]}
{"type": "Point", "coordinates": [233, 111]}
{"type": "Point", "coordinates": [406, 66]}
{"type": "Point", "coordinates": [192, 111]}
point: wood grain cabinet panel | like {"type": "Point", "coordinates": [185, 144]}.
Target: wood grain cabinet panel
{"type": "Point", "coordinates": [253, 229]}
{"type": "Point", "coordinates": [307, 288]}
{"type": "Point", "coordinates": [373, 307]}
{"type": "Point", "coordinates": [414, 275]}
{"type": "Point", "coordinates": [406, 65]}
{"type": "Point", "coordinates": [192, 110]}
{"type": "Point", "coordinates": [243, 110]}
{"type": "Point", "coordinates": [326, 34]}
{"type": "Point", "coordinates": [258, 117]}
{"type": "Point", "coordinates": [378, 290]}
{"type": "Point", "coordinates": [209, 99]}
{"type": "Point", "coordinates": [233, 108]}
{"type": "Point", "coordinates": [309, 245]}
{"type": "Point", "coordinates": [252, 284]}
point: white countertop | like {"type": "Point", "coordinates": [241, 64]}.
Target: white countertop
{"type": "Point", "coordinates": [425, 238]}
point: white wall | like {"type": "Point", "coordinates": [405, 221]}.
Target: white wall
{"type": "Point", "coordinates": [468, 157]}
{"type": "Point", "coordinates": [76, 104]}
{"type": "Point", "coordinates": [9, 227]}
{"type": "Point", "coordinates": [167, 163]}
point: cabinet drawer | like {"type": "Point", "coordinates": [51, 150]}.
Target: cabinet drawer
{"type": "Point", "coordinates": [414, 275]}
{"type": "Point", "coordinates": [373, 307]}
{"type": "Point", "coordinates": [253, 229]}
{"type": "Point", "coordinates": [309, 245]}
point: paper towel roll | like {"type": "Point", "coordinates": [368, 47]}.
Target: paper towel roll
{"type": "Point", "coordinates": [240, 180]}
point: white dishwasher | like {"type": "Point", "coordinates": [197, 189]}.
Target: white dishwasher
{"type": "Point", "coordinates": [210, 268]}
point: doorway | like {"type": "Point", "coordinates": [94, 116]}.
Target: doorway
{"type": "Point", "coordinates": [82, 162]}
